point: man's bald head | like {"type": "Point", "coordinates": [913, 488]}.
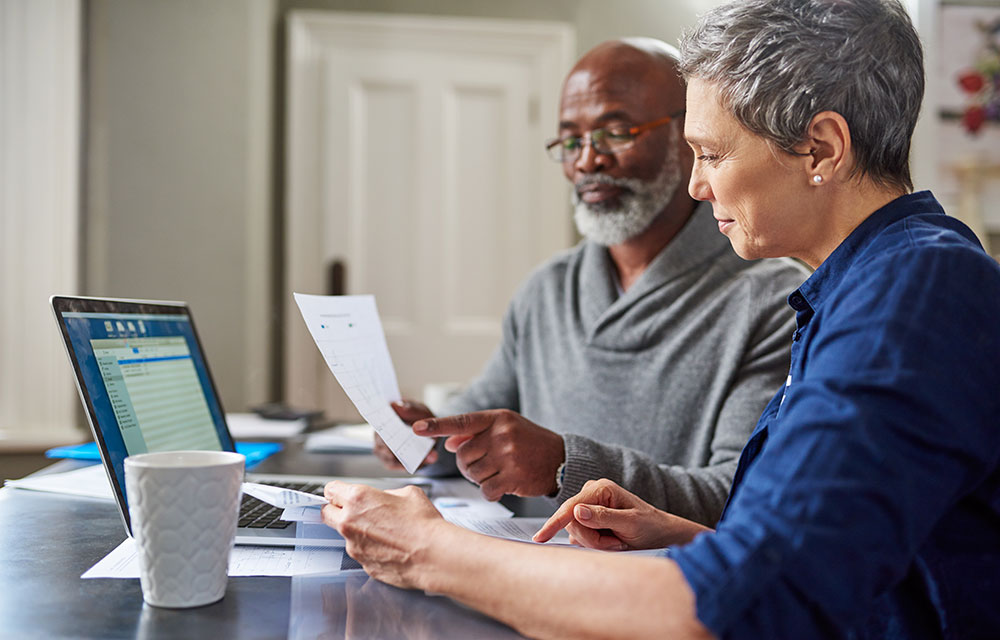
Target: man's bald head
{"type": "Point", "coordinates": [627, 65]}
{"type": "Point", "coordinates": [633, 51]}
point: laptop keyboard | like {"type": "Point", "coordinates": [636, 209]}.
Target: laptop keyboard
{"type": "Point", "coordinates": [257, 514]}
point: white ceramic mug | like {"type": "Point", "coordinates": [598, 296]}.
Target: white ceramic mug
{"type": "Point", "coordinates": [184, 507]}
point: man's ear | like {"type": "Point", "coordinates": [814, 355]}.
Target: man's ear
{"type": "Point", "coordinates": [829, 141]}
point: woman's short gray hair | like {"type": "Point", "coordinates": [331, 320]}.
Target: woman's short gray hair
{"type": "Point", "coordinates": [778, 63]}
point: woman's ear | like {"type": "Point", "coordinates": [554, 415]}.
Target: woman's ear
{"type": "Point", "coordinates": [829, 140]}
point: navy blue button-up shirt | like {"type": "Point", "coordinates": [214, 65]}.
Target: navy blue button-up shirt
{"type": "Point", "coordinates": [867, 501]}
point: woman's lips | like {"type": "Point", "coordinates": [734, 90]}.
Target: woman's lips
{"type": "Point", "coordinates": [725, 224]}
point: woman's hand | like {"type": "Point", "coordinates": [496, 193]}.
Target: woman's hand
{"type": "Point", "coordinates": [387, 532]}
{"type": "Point", "coordinates": [607, 517]}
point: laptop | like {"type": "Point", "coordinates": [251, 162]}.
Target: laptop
{"type": "Point", "coordinates": [145, 385]}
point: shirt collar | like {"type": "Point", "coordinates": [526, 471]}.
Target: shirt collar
{"type": "Point", "coordinates": [698, 241]}
{"type": "Point", "coordinates": [805, 299]}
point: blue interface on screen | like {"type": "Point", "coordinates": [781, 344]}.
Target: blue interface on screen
{"type": "Point", "coordinates": [148, 383]}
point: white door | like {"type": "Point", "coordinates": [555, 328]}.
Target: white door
{"type": "Point", "coordinates": [415, 172]}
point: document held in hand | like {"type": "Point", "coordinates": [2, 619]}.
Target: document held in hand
{"type": "Point", "coordinates": [282, 497]}
{"type": "Point", "coordinates": [348, 332]}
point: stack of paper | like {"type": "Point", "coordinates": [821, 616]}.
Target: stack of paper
{"type": "Point", "coordinates": [251, 425]}
{"type": "Point", "coordinates": [475, 514]}
{"type": "Point", "coordinates": [344, 438]}
{"type": "Point", "coordinates": [123, 561]}
{"type": "Point", "coordinates": [90, 481]}
{"type": "Point", "coordinates": [453, 509]}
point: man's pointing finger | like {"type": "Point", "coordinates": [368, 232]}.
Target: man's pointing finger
{"type": "Point", "coordinates": [463, 424]}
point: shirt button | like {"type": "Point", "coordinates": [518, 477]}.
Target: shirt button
{"type": "Point", "coordinates": [797, 301]}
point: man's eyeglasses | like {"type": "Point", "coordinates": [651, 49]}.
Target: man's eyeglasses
{"type": "Point", "coordinates": [609, 140]}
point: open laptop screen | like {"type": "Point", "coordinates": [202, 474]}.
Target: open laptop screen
{"type": "Point", "coordinates": [143, 377]}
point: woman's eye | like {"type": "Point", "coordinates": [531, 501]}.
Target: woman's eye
{"type": "Point", "coordinates": [709, 158]}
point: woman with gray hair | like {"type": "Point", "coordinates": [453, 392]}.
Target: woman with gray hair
{"type": "Point", "coordinates": [867, 501]}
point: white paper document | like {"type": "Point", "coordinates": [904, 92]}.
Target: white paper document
{"type": "Point", "coordinates": [453, 509]}
{"type": "Point", "coordinates": [312, 515]}
{"type": "Point", "coordinates": [348, 332]}
{"type": "Point", "coordinates": [123, 561]}
{"type": "Point", "coordinates": [90, 481]}
{"type": "Point", "coordinates": [510, 528]}
{"type": "Point", "coordinates": [344, 438]}
{"type": "Point", "coordinates": [281, 497]}
{"type": "Point", "coordinates": [251, 425]}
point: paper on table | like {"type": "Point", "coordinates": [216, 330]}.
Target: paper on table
{"type": "Point", "coordinates": [451, 507]}
{"type": "Point", "coordinates": [90, 481]}
{"type": "Point", "coordinates": [349, 334]}
{"type": "Point", "coordinates": [474, 508]}
{"type": "Point", "coordinates": [123, 561]}
{"type": "Point", "coordinates": [510, 528]}
{"type": "Point", "coordinates": [251, 425]}
{"type": "Point", "coordinates": [342, 438]}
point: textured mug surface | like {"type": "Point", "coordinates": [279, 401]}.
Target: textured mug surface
{"type": "Point", "coordinates": [184, 507]}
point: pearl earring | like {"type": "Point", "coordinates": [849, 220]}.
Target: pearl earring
{"type": "Point", "coordinates": [817, 179]}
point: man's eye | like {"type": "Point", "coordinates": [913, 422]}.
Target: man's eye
{"type": "Point", "coordinates": [571, 144]}
{"type": "Point", "coordinates": [619, 136]}
{"type": "Point", "coordinates": [709, 158]}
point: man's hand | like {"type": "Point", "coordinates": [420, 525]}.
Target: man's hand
{"type": "Point", "coordinates": [605, 516]}
{"type": "Point", "coordinates": [409, 412]}
{"type": "Point", "coordinates": [386, 531]}
{"type": "Point", "coordinates": [501, 451]}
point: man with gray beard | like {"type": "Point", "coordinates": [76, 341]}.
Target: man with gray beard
{"type": "Point", "coordinates": [649, 350]}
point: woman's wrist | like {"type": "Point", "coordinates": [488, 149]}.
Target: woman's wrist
{"type": "Point", "coordinates": [439, 542]}
{"type": "Point", "coordinates": [678, 530]}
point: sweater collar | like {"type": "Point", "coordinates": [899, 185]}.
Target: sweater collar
{"type": "Point", "coordinates": [698, 241]}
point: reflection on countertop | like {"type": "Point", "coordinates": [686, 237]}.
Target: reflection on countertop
{"type": "Point", "coordinates": [355, 606]}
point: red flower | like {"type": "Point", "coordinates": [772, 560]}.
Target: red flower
{"type": "Point", "coordinates": [973, 118]}
{"type": "Point", "coordinates": [971, 81]}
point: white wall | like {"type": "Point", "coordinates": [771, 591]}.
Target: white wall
{"type": "Point", "coordinates": [179, 170]}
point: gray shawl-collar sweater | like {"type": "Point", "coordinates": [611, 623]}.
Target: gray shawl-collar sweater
{"type": "Point", "coordinates": [658, 388]}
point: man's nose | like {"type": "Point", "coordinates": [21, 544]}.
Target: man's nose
{"type": "Point", "coordinates": [590, 160]}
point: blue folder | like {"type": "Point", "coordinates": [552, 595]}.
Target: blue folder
{"type": "Point", "coordinates": [254, 451]}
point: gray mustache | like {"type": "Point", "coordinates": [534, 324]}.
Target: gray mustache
{"type": "Point", "coordinates": [621, 183]}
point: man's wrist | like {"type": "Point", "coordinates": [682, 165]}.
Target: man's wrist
{"type": "Point", "coordinates": [560, 476]}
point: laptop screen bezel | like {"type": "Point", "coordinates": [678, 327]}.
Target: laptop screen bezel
{"type": "Point", "coordinates": [79, 304]}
